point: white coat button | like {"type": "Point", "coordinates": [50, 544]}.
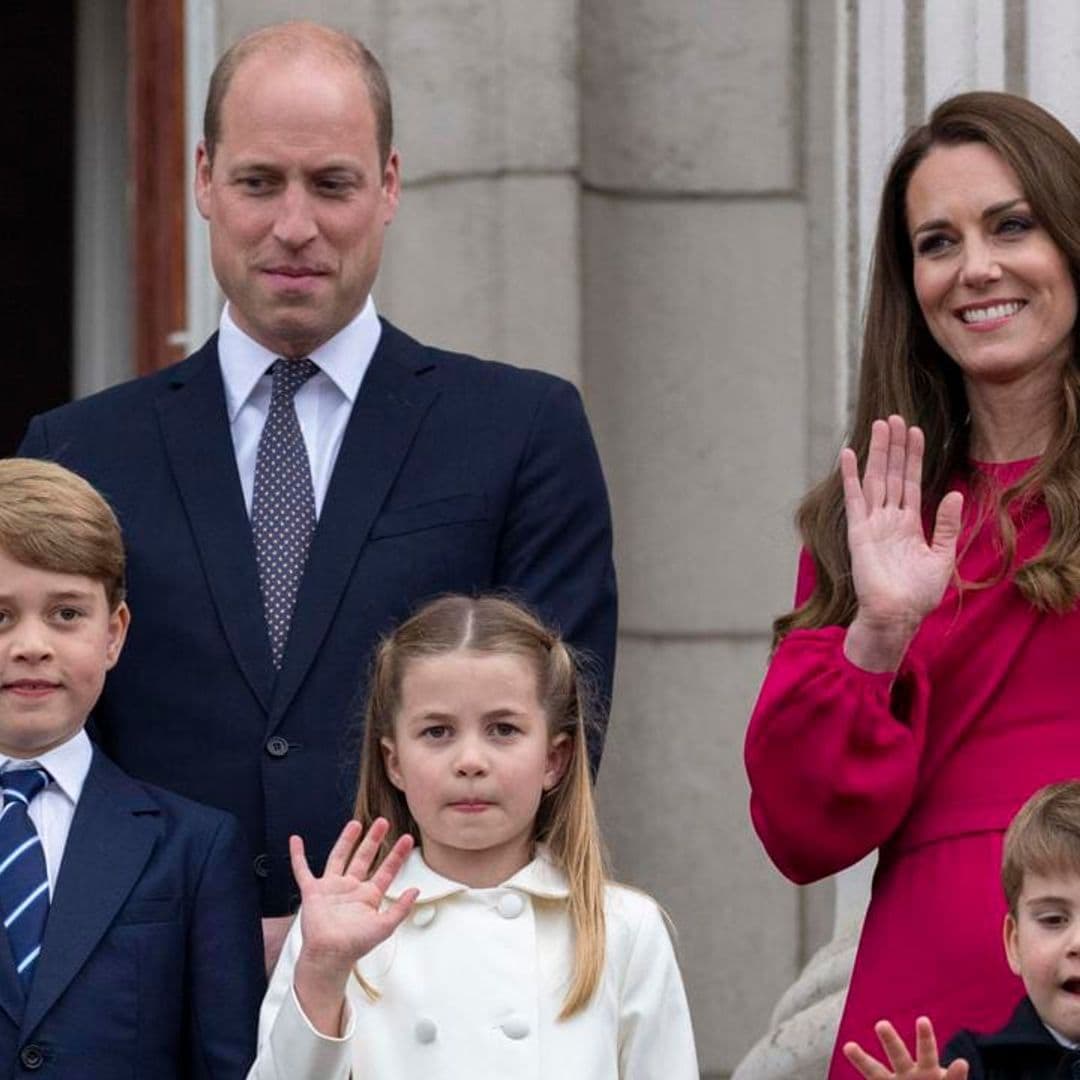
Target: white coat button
{"type": "Point", "coordinates": [515, 1027]}
{"type": "Point", "coordinates": [511, 905]}
{"type": "Point", "coordinates": [425, 1030]}
{"type": "Point", "coordinates": [423, 915]}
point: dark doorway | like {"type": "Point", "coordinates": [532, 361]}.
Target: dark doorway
{"type": "Point", "coordinates": [37, 131]}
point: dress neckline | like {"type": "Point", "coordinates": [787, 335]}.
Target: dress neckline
{"type": "Point", "coordinates": [1005, 472]}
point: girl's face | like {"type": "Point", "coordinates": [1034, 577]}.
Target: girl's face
{"type": "Point", "coordinates": [994, 288]}
{"type": "Point", "coordinates": [472, 754]}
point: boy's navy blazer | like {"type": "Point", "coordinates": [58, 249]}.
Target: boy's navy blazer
{"type": "Point", "coordinates": [151, 964]}
{"type": "Point", "coordinates": [454, 474]}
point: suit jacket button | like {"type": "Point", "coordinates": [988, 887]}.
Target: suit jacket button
{"type": "Point", "coordinates": [276, 746]}
{"type": "Point", "coordinates": [32, 1056]}
{"type": "Point", "coordinates": [261, 865]}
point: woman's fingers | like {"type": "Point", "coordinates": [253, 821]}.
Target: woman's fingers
{"type": "Point", "coordinates": [877, 464]}
{"type": "Point", "coordinates": [912, 493]}
{"type": "Point", "coordinates": [896, 469]}
{"type": "Point", "coordinates": [854, 500]}
{"type": "Point", "coordinates": [947, 524]}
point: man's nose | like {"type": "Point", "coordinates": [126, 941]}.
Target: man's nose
{"type": "Point", "coordinates": [295, 223]}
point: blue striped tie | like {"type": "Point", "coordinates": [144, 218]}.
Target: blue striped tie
{"type": "Point", "coordinates": [24, 881]}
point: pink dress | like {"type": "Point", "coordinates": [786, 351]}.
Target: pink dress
{"type": "Point", "coordinates": [929, 766]}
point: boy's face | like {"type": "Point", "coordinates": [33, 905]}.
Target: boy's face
{"type": "Point", "coordinates": [1043, 947]}
{"type": "Point", "coordinates": [57, 641]}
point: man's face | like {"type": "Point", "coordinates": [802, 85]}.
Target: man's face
{"type": "Point", "coordinates": [296, 199]}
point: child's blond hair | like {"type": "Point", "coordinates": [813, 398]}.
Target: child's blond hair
{"type": "Point", "coordinates": [1043, 838]}
{"type": "Point", "coordinates": [566, 820]}
{"type": "Point", "coordinates": [51, 519]}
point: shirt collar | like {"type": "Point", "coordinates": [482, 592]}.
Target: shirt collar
{"type": "Point", "coordinates": [542, 878]}
{"type": "Point", "coordinates": [1058, 1037]}
{"type": "Point", "coordinates": [344, 359]}
{"type": "Point", "coordinates": [67, 764]}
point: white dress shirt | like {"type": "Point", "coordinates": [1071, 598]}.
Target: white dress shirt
{"type": "Point", "coordinates": [323, 403]}
{"type": "Point", "coordinates": [52, 810]}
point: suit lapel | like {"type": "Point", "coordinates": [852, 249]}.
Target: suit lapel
{"type": "Point", "coordinates": [113, 833]}
{"type": "Point", "coordinates": [195, 428]}
{"type": "Point", "coordinates": [389, 407]}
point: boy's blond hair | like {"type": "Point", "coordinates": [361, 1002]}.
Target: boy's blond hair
{"type": "Point", "coordinates": [1043, 838]}
{"type": "Point", "coordinates": [566, 820]}
{"type": "Point", "coordinates": [51, 519]}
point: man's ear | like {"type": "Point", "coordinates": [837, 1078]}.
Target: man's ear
{"type": "Point", "coordinates": [202, 179]}
{"type": "Point", "coordinates": [391, 185]}
{"type": "Point", "coordinates": [390, 762]}
{"type": "Point", "coordinates": [558, 757]}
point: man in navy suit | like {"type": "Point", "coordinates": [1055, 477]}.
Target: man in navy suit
{"type": "Point", "coordinates": [130, 944]}
{"type": "Point", "coordinates": [429, 471]}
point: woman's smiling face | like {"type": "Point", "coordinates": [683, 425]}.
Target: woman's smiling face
{"type": "Point", "coordinates": [995, 290]}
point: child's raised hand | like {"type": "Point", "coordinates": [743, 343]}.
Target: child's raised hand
{"type": "Point", "coordinates": [340, 914]}
{"type": "Point", "coordinates": [925, 1066]}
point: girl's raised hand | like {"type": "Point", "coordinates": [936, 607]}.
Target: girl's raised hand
{"type": "Point", "coordinates": [925, 1066]}
{"type": "Point", "coordinates": [341, 918]}
{"type": "Point", "coordinates": [899, 578]}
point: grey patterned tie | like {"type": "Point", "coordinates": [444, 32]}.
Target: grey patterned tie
{"type": "Point", "coordinates": [283, 504]}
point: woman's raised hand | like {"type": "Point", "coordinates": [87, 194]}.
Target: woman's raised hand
{"type": "Point", "coordinates": [341, 915]}
{"type": "Point", "coordinates": [899, 578]}
{"type": "Point", "coordinates": [924, 1066]}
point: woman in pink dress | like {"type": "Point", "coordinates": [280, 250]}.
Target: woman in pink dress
{"type": "Point", "coordinates": [928, 679]}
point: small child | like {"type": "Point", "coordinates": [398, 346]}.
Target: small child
{"type": "Point", "coordinates": [130, 943]}
{"type": "Point", "coordinates": [1041, 876]}
{"type": "Point", "coordinates": [513, 955]}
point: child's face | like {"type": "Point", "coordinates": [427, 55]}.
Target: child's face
{"type": "Point", "coordinates": [57, 641]}
{"type": "Point", "coordinates": [472, 754]}
{"type": "Point", "coordinates": [1043, 947]}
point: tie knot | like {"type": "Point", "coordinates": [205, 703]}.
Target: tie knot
{"type": "Point", "coordinates": [290, 375]}
{"type": "Point", "coordinates": [23, 785]}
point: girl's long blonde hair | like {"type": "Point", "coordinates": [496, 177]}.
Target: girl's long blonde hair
{"type": "Point", "coordinates": [566, 820]}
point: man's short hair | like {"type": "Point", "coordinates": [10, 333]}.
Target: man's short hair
{"type": "Point", "coordinates": [292, 39]}
{"type": "Point", "coordinates": [1044, 838]}
{"type": "Point", "coordinates": [51, 519]}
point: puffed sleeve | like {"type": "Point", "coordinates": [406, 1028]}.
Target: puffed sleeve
{"type": "Point", "coordinates": [655, 1034]}
{"type": "Point", "coordinates": [289, 1047]}
{"type": "Point", "coordinates": [832, 751]}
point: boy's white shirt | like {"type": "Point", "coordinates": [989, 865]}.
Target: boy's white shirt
{"type": "Point", "coordinates": [443, 1012]}
{"type": "Point", "coordinates": [54, 808]}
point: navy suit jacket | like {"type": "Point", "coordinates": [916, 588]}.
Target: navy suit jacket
{"type": "Point", "coordinates": [152, 960]}
{"type": "Point", "coordinates": [454, 474]}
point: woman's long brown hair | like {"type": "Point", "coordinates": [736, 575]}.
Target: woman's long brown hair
{"type": "Point", "coordinates": [903, 369]}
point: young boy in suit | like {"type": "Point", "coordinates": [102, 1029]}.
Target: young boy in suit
{"type": "Point", "coordinates": [1040, 873]}
{"type": "Point", "coordinates": [130, 944]}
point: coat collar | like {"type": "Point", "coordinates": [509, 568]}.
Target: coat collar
{"type": "Point", "coordinates": [1023, 1029]}
{"type": "Point", "coordinates": [542, 878]}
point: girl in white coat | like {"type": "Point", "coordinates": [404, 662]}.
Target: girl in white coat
{"type": "Point", "coordinates": [497, 948]}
